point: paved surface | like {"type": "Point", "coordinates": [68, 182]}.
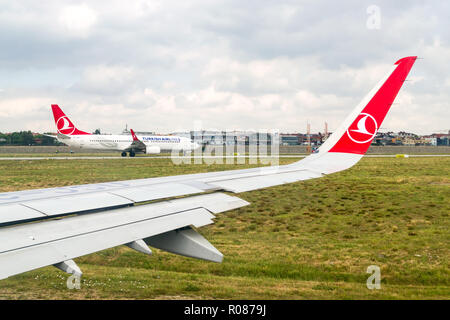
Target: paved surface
{"type": "Point", "coordinates": [204, 157]}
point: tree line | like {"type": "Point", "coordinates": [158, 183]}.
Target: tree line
{"type": "Point", "coordinates": [26, 138]}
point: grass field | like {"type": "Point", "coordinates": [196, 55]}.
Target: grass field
{"type": "Point", "coordinates": [306, 240]}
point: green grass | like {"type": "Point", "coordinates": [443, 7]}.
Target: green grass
{"type": "Point", "coordinates": [306, 240]}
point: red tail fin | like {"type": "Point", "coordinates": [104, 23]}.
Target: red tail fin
{"type": "Point", "coordinates": [63, 123]}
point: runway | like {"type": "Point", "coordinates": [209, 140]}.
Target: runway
{"type": "Point", "coordinates": [202, 157]}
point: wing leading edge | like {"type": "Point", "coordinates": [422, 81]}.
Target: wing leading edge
{"type": "Point", "coordinates": [105, 215]}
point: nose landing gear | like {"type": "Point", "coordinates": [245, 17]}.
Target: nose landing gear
{"type": "Point", "coordinates": [124, 154]}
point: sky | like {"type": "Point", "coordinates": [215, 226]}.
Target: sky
{"type": "Point", "coordinates": [168, 66]}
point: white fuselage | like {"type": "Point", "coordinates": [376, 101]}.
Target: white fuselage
{"type": "Point", "coordinates": [123, 142]}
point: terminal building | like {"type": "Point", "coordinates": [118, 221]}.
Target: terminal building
{"type": "Point", "coordinates": [211, 137]}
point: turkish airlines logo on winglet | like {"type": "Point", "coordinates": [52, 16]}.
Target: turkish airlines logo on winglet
{"type": "Point", "coordinates": [363, 129]}
{"type": "Point", "coordinates": [64, 126]}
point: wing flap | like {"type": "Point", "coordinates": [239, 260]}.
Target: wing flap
{"type": "Point", "coordinates": [154, 192]}
{"type": "Point", "coordinates": [78, 203]}
{"type": "Point", "coordinates": [258, 182]}
{"type": "Point", "coordinates": [14, 212]}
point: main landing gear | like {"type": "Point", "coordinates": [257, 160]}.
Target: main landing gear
{"type": "Point", "coordinates": [132, 154]}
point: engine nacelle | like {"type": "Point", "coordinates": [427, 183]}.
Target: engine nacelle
{"type": "Point", "coordinates": [152, 150]}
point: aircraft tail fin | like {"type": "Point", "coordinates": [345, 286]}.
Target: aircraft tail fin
{"type": "Point", "coordinates": [63, 124]}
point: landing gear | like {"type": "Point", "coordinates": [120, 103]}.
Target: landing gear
{"type": "Point", "coordinates": [124, 154]}
{"type": "Point", "coordinates": [132, 154]}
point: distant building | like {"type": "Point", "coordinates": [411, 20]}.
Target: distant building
{"type": "Point", "coordinates": [212, 137]}
{"type": "Point", "coordinates": [389, 138]}
{"type": "Point", "coordinates": [430, 140]}
{"type": "Point", "coordinates": [412, 141]}
{"type": "Point", "coordinates": [438, 139]}
{"type": "Point", "coordinates": [295, 139]}
{"type": "Point", "coordinates": [290, 139]}
{"type": "Point", "coordinates": [403, 134]}
{"type": "Point", "coordinates": [386, 139]}
{"type": "Point", "coordinates": [126, 131]}
{"type": "Point", "coordinates": [444, 141]}
{"type": "Point", "coordinates": [147, 133]}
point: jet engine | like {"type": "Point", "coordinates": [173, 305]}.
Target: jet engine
{"type": "Point", "coordinates": [152, 150]}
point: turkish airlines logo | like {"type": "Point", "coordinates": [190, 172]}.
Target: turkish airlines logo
{"type": "Point", "coordinates": [64, 126]}
{"type": "Point", "coordinates": [363, 129]}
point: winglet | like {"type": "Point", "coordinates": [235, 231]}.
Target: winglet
{"type": "Point", "coordinates": [359, 129]}
{"type": "Point", "coordinates": [351, 140]}
{"type": "Point", "coordinates": [134, 135]}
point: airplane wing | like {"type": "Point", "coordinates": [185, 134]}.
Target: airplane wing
{"type": "Point", "coordinates": [53, 226]}
{"type": "Point", "coordinates": [136, 145]}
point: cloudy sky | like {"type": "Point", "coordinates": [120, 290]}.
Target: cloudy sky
{"type": "Point", "coordinates": [162, 65]}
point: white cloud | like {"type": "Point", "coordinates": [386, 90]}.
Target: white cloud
{"type": "Point", "coordinates": [78, 19]}
{"type": "Point", "coordinates": [103, 79]}
{"type": "Point", "coordinates": [161, 65]}
{"type": "Point", "coordinates": [20, 114]}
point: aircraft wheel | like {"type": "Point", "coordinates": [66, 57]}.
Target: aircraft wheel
{"type": "Point", "coordinates": [132, 154]}
{"type": "Point", "coordinates": [124, 154]}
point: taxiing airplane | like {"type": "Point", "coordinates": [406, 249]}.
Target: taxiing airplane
{"type": "Point", "coordinates": [71, 136]}
{"type": "Point", "coordinates": [150, 212]}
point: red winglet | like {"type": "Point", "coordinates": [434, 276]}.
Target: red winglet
{"type": "Point", "coordinates": [63, 123]}
{"type": "Point", "coordinates": [359, 135]}
{"type": "Point", "coordinates": [133, 135]}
